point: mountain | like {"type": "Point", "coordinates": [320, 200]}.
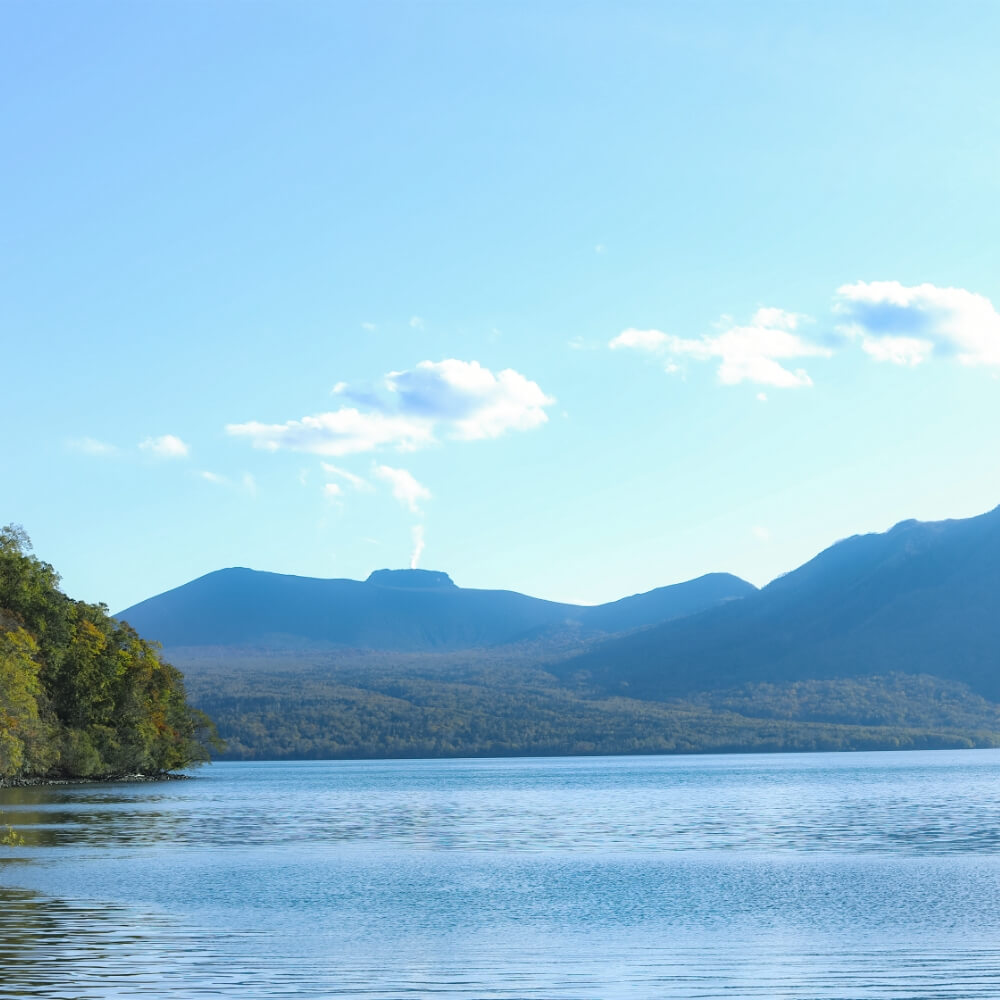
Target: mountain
{"type": "Point", "coordinates": [922, 598]}
{"type": "Point", "coordinates": [402, 610]}
{"type": "Point", "coordinates": [882, 641]}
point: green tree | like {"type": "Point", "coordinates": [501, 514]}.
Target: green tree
{"type": "Point", "coordinates": [25, 739]}
{"type": "Point", "coordinates": [81, 693]}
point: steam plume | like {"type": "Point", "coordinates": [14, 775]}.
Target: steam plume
{"type": "Point", "coordinates": [418, 545]}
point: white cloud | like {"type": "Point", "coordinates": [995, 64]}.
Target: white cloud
{"type": "Point", "coordinates": [416, 323]}
{"type": "Point", "coordinates": [906, 325]}
{"type": "Point", "coordinates": [750, 353]}
{"type": "Point", "coordinates": [459, 399]}
{"type": "Point", "coordinates": [653, 341]}
{"type": "Point", "coordinates": [357, 482]}
{"type": "Point", "coordinates": [331, 491]}
{"type": "Point", "coordinates": [761, 533]}
{"type": "Point", "coordinates": [369, 327]}
{"type": "Point", "coordinates": [418, 545]}
{"type": "Point", "coordinates": [343, 432]}
{"type": "Point", "coordinates": [405, 487]}
{"type": "Point", "coordinates": [761, 397]}
{"type": "Point", "coordinates": [469, 399]}
{"type": "Point", "coordinates": [91, 446]}
{"type": "Point", "coordinates": [165, 446]}
{"type": "Point", "coordinates": [247, 482]}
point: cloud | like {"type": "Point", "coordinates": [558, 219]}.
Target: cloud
{"type": "Point", "coordinates": [165, 446]}
{"type": "Point", "coordinates": [369, 327]}
{"type": "Point", "coordinates": [405, 487]}
{"type": "Point", "coordinates": [247, 482]}
{"type": "Point", "coordinates": [750, 353]}
{"type": "Point", "coordinates": [761, 533]}
{"type": "Point", "coordinates": [91, 446]}
{"type": "Point", "coordinates": [418, 545]}
{"type": "Point", "coordinates": [907, 325]}
{"type": "Point", "coordinates": [357, 482]}
{"type": "Point", "coordinates": [653, 341]}
{"type": "Point", "coordinates": [416, 323]}
{"type": "Point", "coordinates": [470, 399]}
{"type": "Point", "coordinates": [360, 395]}
{"type": "Point", "coordinates": [343, 432]}
{"type": "Point", "coordinates": [459, 399]}
{"type": "Point", "coordinates": [331, 491]}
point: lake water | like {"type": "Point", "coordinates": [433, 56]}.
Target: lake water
{"type": "Point", "coordinates": [847, 876]}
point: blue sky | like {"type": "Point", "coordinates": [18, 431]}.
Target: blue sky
{"type": "Point", "coordinates": [576, 299]}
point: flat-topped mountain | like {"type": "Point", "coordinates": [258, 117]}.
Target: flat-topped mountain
{"type": "Point", "coordinates": [403, 609]}
{"type": "Point", "coordinates": [410, 579]}
{"type": "Point", "coordinates": [921, 598]}
{"type": "Point", "coordinates": [881, 641]}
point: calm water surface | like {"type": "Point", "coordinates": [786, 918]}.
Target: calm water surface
{"type": "Point", "coordinates": [814, 876]}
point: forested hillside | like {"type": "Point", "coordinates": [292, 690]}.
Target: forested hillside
{"type": "Point", "coordinates": [507, 701]}
{"type": "Point", "coordinates": [882, 641]}
{"type": "Point", "coordinates": [81, 694]}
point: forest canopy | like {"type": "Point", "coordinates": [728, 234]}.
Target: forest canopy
{"type": "Point", "coordinates": [81, 694]}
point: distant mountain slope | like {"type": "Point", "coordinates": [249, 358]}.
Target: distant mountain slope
{"type": "Point", "coordinates": [922, 598]}
{"type": "Point", "coordinates": [666, 603]}
{"type": "Point", "coordinates": [405, 610]}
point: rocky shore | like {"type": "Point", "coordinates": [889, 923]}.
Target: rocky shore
{"type": "Point", "coordinates": [106, 779]}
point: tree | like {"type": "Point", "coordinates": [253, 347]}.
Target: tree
{"type": "Point", "coordinates": [81, 693]}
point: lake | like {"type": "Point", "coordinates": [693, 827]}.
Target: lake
{"type": "Point", "coordinates": [813, 876]}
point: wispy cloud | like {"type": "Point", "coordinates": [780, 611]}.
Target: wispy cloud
{"type": "Point", "coordinates": [416, 323]}
{"type": "Point", "coordinates": [404, 486]}
{"type": "Point", "coordinates": [753, 352]}
{"type": "Point", "coordinates": [354, 481]}
{"type": "Point", "coordinates": [907, 325]}
{"type": "Point", "coordinates": [165, 446]}
{"type": "Point", "coordinates": [246, 483]}
{"type": "Point", "coordinates": [342, 432]}
{"type": "Point", "coordinates": [91, 446]}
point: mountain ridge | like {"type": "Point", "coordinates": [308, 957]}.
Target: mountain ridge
{"type": "Point", "coordinates": [922, 597]}
{"type": "Point", "coordinates": [404, 610]}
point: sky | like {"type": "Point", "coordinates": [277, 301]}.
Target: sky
{"type": "Point", "coordinates": [575, 299]}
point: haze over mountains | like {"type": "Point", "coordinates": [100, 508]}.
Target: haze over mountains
{"type": "Point", "coordinates": [881, 640]}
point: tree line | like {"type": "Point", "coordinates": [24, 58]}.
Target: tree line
{"type": "Point", "coordinates": [81, 694]}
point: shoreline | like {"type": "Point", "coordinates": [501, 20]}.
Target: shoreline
{"type": "Point", "coordinates": [127, 779]}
